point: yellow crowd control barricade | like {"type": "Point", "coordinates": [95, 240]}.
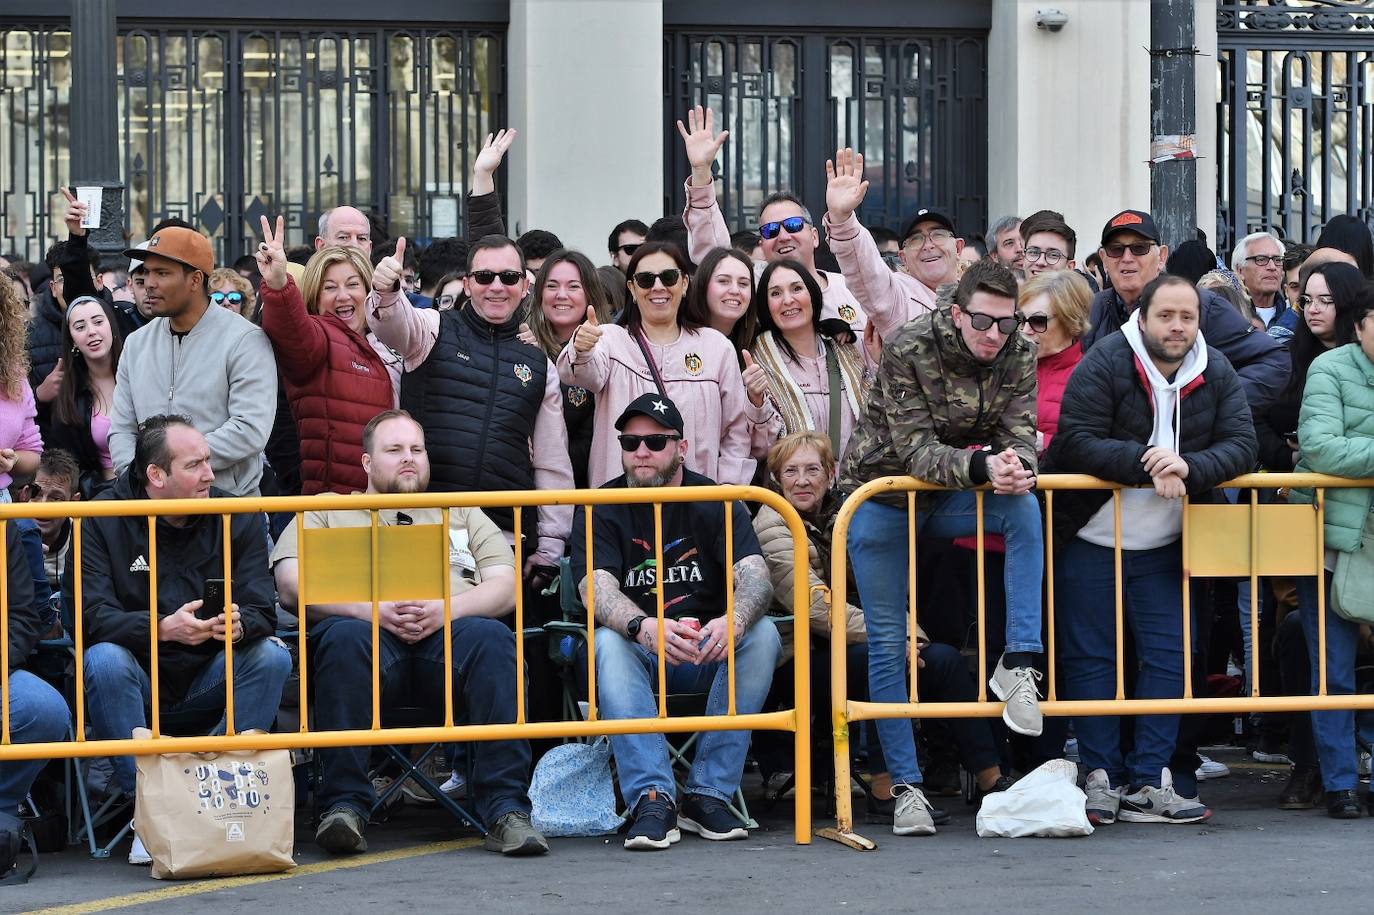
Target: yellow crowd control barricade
{"type": "Point", "coordinates": [381, 563]}
{"type": "Point", "coordinates": [1249, 538]}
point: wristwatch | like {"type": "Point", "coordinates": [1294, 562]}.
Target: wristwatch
{"type": "Point", "coordinates": [633, 626]}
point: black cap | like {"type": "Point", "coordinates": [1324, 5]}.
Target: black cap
{"type": "Point", "coordinates": [655, 406]}
{"type": "Point", "coordinates": [925, 214]}
{"type": "Point", "coordinates": [1137, 221]}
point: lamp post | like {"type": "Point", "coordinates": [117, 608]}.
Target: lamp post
{"type": "Point", "coordinates": [94, 117]}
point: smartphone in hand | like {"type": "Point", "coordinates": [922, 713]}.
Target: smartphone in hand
{"type": "Point", "coordinates": [212, 599]}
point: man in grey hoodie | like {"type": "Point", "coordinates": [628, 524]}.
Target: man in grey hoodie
{"type": "Point", "coordinates": [1151, 407]}
{"type": "Point", "coordinates": [206, 363]}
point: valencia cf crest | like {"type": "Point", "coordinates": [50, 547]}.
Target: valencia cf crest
{"type": "Point", "coordinates": [848, 313]}
{"type": "Point", "coordinates": [693, 363]}
{"type": "Point", "coordinates": [577, 396]}
{"type": "Point", "coordinates": [522, 371]}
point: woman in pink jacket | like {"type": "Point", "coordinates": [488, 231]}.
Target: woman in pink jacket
{"type": "Point", "coordinates": [659, 346]}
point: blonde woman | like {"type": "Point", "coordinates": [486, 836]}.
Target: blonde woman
{"type": "Point", "coordinates": [1056, 306]}
{"type": "Point", "coordinates": [337, 375]}
{"type": "Point", "coordinates": [230, 290]}
{"type": "Point", "coordinates": [20, 442]}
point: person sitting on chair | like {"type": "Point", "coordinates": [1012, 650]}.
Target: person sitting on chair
{"type": "Point", "coordinates": [482, 576]}
{"type": "Point", "coordinates": [625, 579]}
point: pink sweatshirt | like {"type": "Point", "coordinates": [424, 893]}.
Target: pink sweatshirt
{"type": "Point", "coordinates": [17, 427]}
{"type": "Point", "coordinates": [890, 298]}
{"type": "Point", "coordinates": [702, 376]}
{"type": "Point", "coordinates": [706, 230]}
{"type": "Point", "coordinates": [411, 332]}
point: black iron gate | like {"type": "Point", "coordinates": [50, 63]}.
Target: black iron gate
{"type": "Point", "coordinates": [219, 126]}
{"type": "Point", "coordinates": [913, 104]}
{"type": "Point", "coordinates": [1295, 121]}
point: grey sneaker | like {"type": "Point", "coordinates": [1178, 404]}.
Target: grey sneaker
{"type": "Point", "coordinates": [1149, 804]}
{"type": "Point", "coordinates": [514, 834]}
{"type": "Point", "coordinates": [912, 816]}
{"type": "Point", "coordinates": [341, 831]}
{"type": "Point", "coordinates": [1016, 687]}
{"type": "Point", "coordinates": [1104, 801]}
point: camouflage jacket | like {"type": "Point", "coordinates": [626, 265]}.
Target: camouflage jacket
{"type": "Point", "coordinates": [932, 401]}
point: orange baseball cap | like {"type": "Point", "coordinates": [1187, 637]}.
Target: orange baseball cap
{"type": "Point", "coordinates": [185, 246]}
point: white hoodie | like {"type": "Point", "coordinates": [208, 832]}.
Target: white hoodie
{"type": "Point", "coordinates": [1147, 520]}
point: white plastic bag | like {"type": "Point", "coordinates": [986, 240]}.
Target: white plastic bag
{"type": "Point", "coordinates": [572, 793]}
{"type": "Point", "coordinates": [1047, 802]}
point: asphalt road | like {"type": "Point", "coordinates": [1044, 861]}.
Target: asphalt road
{"type": "Point", "coordinates": [1251, 856]}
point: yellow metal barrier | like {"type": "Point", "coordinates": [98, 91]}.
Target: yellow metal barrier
{"type": "Point", "coordinates": [1219, 540]}
{"type": "Point", "coordinates": [384, 562]}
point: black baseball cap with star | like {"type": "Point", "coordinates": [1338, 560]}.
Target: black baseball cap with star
{"type": "Point", "coordinates": [655, 406]}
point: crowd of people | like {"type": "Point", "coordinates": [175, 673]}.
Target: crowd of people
{"type": "Point", "coordinates": [808, 355]}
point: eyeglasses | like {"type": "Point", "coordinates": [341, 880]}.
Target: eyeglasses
{"type": "Point", "coordinates": [793, 224]}
{"type": "Point", "coordinates": [36, 493]}
{"type": "Point", "coordinates": [1307, 301]}
{"type": "Point", "coordinates": [645, 280]}
{"type": "Point", "coordinates": [445, 301]}
{"type": "Point", "coordinates": [938, 236]}
{"type": "Point", "coordinates": [486, 277]}
{"type": "Point", "coordinates": [1037, 323]}
{"type": "Point", "coordinates": [1050, 255]}
{"type": "Point", "coordinates": [1139, 249]}
{"type": "Point", "coordinates": [1005, 326]}
{"type": "Point", "coordinates": [656, 442]}
{"type": "Point", "coordinates": [233, 298]}
{"type": "Point", "coordinates": [1264, 260]}
{"type": "Point", "coordinates": [628, 250]}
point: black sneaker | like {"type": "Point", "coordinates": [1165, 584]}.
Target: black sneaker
{"type": "Point", "coordinates": [341, 831]}
{"type": "Point", "coordinates": [654, 826]}
{"type": "Point", "coordinates": [709, 818]}
{"type": "Point", "coordinates": [1342, 805]}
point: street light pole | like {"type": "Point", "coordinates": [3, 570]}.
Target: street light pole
{"type": "Point", "coordinates": [1173, 120]}
{"type": "Point", "coordinates": [94, 117]}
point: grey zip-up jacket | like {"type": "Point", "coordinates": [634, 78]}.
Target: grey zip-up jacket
{"type": "Point", "coordinates": [221, 374]}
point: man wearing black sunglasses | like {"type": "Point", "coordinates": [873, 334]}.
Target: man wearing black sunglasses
{"type": "Point", "coordinates": [693, 569]}
{"type": "Point", "coordinates": [1133, 256]}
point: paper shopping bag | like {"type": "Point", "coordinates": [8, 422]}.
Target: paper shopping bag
{"type": "Point", "coordinates": [216, 814]}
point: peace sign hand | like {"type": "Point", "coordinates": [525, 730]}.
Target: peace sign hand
{"type": "Point", "coordinates": [271, 255]}
{"type": "Point", "coordinates": [75, 215]}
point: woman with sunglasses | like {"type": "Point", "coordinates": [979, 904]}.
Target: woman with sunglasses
{"type": "Point", "coordinates": [724, 289]}
{"type": "Point", "coordinates": [337, 374]}
{"type": "Point", "coordinates": [1056, 307]}
{"type": "Point", "coordinates": [804, 373]}
{"type": "Point", "coordinates": [228, 289]}
{"type": "Point", "coordinates": [567, 286]}
{"type": "Point", "coordinates": [662, 347]}
{"type": "Point", "coordinates": [21, 444]}
{"type": "Point", "coordinates": [91, 347]}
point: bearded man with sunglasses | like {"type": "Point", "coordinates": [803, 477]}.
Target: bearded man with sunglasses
{"type": "Point", "coordinates": [953, 404]}
{"type": "Point", "coordinates": [490, 404]}
{"type": "Point", "coordinates": [693, 637]}
{"type": "Point", "coordinates": [1133, 256]}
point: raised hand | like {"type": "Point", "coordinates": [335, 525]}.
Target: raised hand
{"type": "Point", "coordinates": [701, 142]}
{"type": "Point", "coordinates": [489, 160]}
{"type": "Point", "coordinates": [873, 343]}
{"type": "Point", "coordinates": [386, 276]}
{"type": "Point", "coordinates": [588, 334]}
{"type": "Point", "coordinates": [846, 187]}
{"type": "Point", "coordinates": [76, 213]}
{"type": "Point", "coordinates": [271, 255]}
{"type": "Point", "coordinates": [755, 379]}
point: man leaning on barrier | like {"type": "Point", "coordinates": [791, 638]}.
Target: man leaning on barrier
{"type": "Point", "coordinates": [411, 653]}
{"type": "Point", "coordinates": [172, 461]}
{"type": "Point", "coordinates": [625, 579]}
{"type": "Point", "coordinates": [952, 382]}
{"type": "Point", "coordinates": [1152, 407]}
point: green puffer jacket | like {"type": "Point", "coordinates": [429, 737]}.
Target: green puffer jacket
{"type": "Point", "coordinates": [1336, 431]}
{"type": "Point", "coordinates": [932, 401]}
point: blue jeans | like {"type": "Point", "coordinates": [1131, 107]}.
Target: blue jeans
{"type": "Point", "coordinates": [879, 555]}
{"type": "Point", "coordinates": [1152, 592]}
{"type": "Point", "coordinates": [119, 694]}
{"type": "Point", "coordinates": [1333, 732]}
{"type": "Point", "coordinates": [626, 675]}
{"type": "Point", "coordinates": [38, 714]}
{"type": "Point", "coordinates": [413, 676]}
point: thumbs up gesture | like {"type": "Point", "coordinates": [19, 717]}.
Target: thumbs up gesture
{"type": "Point", "coordinates": [386, 276]}
{"type": "Point", "coordinates": [586, 337]}
{"type": "Point", "coordinates": [755, 379]}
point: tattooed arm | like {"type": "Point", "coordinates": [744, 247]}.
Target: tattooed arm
{"type": "Point", "coordinates": [753, 590]}
{"type": "Point", "coordinates": [613, 608]}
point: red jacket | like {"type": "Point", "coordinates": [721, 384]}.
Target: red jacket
{"type": "Point", "coordinates": [1051, 377]}
{"type": "Point", "coordinates": [335, 381]}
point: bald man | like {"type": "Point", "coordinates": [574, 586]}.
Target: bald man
{"type": "Point", "coordinates": [1327, 256]}
{"type": "Point", "coordinates": [345, 226]}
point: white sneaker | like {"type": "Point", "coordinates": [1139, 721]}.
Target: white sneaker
{"type": "Point", "coordinates": [138, 855]}
{"type": "Point", "coordinates": [1016, 687]}
{"type": "Point", "coordinates": [1149, 804]}
{"type": "Point", "coordinates": [1210, 768]}
{"type": "Point", "coordinates": [1278, 759]}
{"type": "Point", "coordinates": [912, 816]}
{"type": "Point", "coordinates": [455, 787]}
{"type": "Point", "coordinates": [1104, 801]}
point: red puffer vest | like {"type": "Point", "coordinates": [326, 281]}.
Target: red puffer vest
{"type": "Point", "coordinates": [335, 382]}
